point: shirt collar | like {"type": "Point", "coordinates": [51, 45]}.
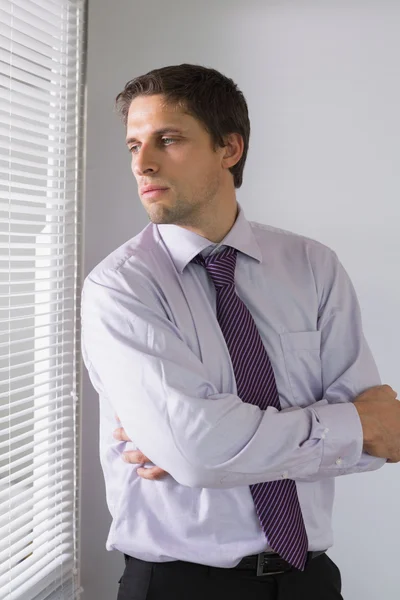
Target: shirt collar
{"type": "Point", "coordinates": [183, 245]}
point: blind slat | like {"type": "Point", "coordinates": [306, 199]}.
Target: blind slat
{"type": "Point", "coordinates": [27, 15]}
{"type": "Point", "coordinates": [9, 106]}
{"type": "Point", "coordinates": [30, 399]}
{"type": "Point", "coordinates": [14, 134]}
{"type": "Point", "coordinates": [14, 271]}
{"type": "Point", "coordinates": [32, 43]}
{"type": "Point", "coordinates": [46, 464]}
{"type": "Point", "coordinates": [26, 579]}
{"type": "Point", "coordinates": [12, 454]}
{"type": "Point", "coordinates": [26, 174]}
{"type": "Point", "coordinates": [39, 193]}
{"type": "Point", "coordinates": [22, 567]}
{"type": "Point", "coordinates": [18, 551]}
{"type": "Point", "coordinates": [31, 222]}
{"type": "Point", "coordinates": [39, 247]}
{"type": "Point", "coordinates": [17, 462]}
{"type": "Point", "coordinates": [37, 478]}
{"type": "Point", "coordinates": [42, 95]}
{"type": "Point", "coordinates": [67, 332]}
{"type": "Point", "coordinates": [49, 486]}
{"type": "Point", "coordinates": [42, 510]}
{"type": "Point", "coordinates": [32, 31]}
{"type": "Point", "coordinates": [57, 9]}
{"type": "Point", "coordinates": [54, 290]}
{"type": "Point", "coordinates": [41, 169]}
{"type": "Point", "coordinates": [19, 100]}
{"type": "Point", "coordinates": [29, 388]}
{"type": "Point", "coordinates": [56, 20]}
{"type": "Point", "coordinates": [36, 259]}
{"type": "Point", "coordinates": [9, 58]}
{"type": "Point", "coordinates": [43, 87]}
{"type": "Point", "coordinates": [14, 147]}
{"type": "Point", "coordinates": [30, 363]}
{"type": "Point", "coordinates": [30, 54]}
{"type": "Point", "coordinates": [54, 581]}
{"type": "Point", "coordinates": [27, 234]}
{"type": "Point", "coordinates": [27, 501]}
{"type": "Point", "coordinates": [12, 124]}
{"type": "Point", "coordinates": [38, 515]}
{"type": "Point", "coordinates": [44, 460]}
{"type": "Point", "coordinates": [31, 210]}
{"type": "Point", "coordinates": [36, 373]}
{"type": "Point", "coordinates": [33, 14]}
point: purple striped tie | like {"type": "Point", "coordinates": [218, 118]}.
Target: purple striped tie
{"type": "Point", "coordinates": [276, 502]}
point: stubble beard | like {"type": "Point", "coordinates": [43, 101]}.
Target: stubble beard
{"type": "Point", "coordinates": [186, 212]}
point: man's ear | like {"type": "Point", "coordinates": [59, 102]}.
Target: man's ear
{"type": "Point", "coordinates": [233, 150]}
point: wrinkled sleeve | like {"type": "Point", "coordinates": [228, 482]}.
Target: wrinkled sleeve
{"type": "Point", "coordinates": [348, 369]}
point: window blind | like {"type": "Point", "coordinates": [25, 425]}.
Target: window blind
{"type": "Point", "coordinates": [42, 48]}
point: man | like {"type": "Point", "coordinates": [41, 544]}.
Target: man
{"type": "Point", "coordinates": [230, 364]}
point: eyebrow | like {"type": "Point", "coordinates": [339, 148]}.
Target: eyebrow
{"type": "Point", "coordinates": [162, 131]}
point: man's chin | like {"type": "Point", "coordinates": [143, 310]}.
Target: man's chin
{"type": "Point", "coordinates": [159, 215]}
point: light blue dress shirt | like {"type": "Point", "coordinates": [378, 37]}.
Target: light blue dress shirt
{"type": "Point", "coordinates": [157, 358]}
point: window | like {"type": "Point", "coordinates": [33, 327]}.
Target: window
{"type": "Point", "coordinates": [41, 109]}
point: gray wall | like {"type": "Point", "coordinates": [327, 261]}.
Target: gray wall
{"type": "Point", "coordinates": [321, 80]}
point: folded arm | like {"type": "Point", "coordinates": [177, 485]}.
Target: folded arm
{"type": "Point", "coordinates": [160, 390]}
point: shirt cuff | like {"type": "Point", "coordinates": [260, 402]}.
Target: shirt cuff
{"type": "Point", "coordinates": [342, 434]}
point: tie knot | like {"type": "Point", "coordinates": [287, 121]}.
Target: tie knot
{"type": "Point", "coordinates": [221, 266]}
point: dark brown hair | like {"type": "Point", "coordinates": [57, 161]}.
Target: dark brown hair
{"type": "Point", "coordinates": [203, 93]}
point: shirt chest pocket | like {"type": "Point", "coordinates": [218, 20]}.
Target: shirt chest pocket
{"type": "Point", "coordinates": [302, 357]}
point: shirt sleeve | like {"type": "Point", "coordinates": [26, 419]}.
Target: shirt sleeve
{"type": "Point", "coordinates": [171, 411]}
{"type": "Point", "coordinates": [348, 369]}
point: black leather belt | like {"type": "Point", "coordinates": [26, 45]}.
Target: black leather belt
{"type": "Point", "coordinates": [270, 563]}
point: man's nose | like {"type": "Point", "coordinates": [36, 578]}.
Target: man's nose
{"type": "Point", "coordinates": [145, 162]}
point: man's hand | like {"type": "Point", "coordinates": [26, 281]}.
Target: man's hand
{"type": "Point", "coordinates": [137, 457]}
{"type": "Point", "coordinates": [379, 412]}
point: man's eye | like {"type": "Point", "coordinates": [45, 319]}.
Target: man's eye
{"type": "Point", "coordinates": [133, 149]}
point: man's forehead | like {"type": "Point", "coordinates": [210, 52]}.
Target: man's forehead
{"type": "Point", "coordinates": [151, 115]}
{"type": "Point", "coordinates": [154, 105]}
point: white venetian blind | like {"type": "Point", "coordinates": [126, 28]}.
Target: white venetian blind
{"type": "Point", "coordinates": [41, 107]}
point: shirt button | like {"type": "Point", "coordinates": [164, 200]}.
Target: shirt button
{"type": "Point", "coordinates": [326, 430]}
{"type": "Point", "coordinates": [339, 461]}
{"type": "Point", "coordinates": [323, 436]}
{"type": "Point", "coordinates": [285, 475]}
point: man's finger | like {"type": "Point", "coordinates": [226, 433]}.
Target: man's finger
{"type": "Point", "coordinates": [390, 390]}
{"type": "Point", "coordinates": [135, 457]}
{"type": "Point", "coordinates": [120, 434]}
{"type": "Point", "coordinates": [151, 472]}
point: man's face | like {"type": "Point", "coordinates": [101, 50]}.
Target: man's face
{"type": "Point", "coordinates": [172, 150]}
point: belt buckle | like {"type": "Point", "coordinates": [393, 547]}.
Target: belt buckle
{"type": "Point", "coordinates": [263, 560]}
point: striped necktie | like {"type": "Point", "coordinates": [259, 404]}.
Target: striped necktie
{"type": "Point", "coordinates": [276, 502]}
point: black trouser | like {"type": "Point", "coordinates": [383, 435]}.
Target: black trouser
{"type": "Point", "coordinates": [180, 580]}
